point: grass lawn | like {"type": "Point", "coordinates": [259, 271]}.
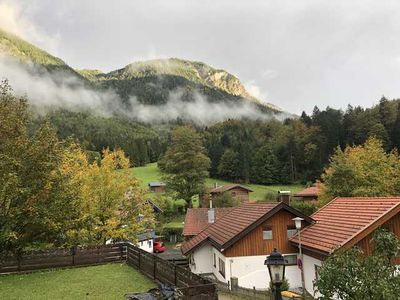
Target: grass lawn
{"type": "Point", "coordinates": [109, 281]}
{"type": "Point", "coordinates": [150, 173]}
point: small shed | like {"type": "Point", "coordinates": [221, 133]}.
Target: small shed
{"type": "Point", "coordinates": [157, 187]}
{"type": "Point", "coordinates": [236, 190]}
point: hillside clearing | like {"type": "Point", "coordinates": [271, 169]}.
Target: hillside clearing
{"type": "Point", "coordinates": [150, 173]}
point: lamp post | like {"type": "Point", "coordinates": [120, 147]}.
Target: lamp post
{"type": "Point", "coordinates": [276, 268]}
{"type": "Point", "coordinates": [297, 222]}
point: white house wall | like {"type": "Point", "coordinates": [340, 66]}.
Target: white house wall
{"type": "Point", "coordinates": [309, 264]}
{"type": "Point", "coordinates": [146, 245]}
{"type": "Point", "coordinates": [251, 272]}
{"type": "Point", "coordinates": [216, 272]}
{"type": "Point", "coordinates": [201, 261]}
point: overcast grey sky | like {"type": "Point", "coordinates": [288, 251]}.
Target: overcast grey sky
{"type": "Point", "coordinates": [295, 54]}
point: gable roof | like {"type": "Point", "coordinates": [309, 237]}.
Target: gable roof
{"type": "Point", "coordinates": [197, 219]}
{"type": "Point", "coordinates": [236, 224]}
{"type": "Point", "coordinates": [155, 207]}
{"type": "Point", "coordinates": [155, 184]}
{"type": "Point", "coordinates": [225, 188]}
{"type": "Point", "coordinates": [310, 192]}
{"type": "Point", "coordinates": [343, 222]}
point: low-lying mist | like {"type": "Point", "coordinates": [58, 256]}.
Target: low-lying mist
{"type": "Point", "coordinates": [59, 89]}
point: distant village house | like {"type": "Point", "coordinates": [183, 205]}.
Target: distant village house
{"type": "Point", "coordinates": [309, 194]}
{"type": "Point", "coordinates": [157, 187]}
{"type": "Point", "coordinates": [235, 190]}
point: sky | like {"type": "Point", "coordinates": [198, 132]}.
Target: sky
{"type": "Point", "coordinates": [294, 54]}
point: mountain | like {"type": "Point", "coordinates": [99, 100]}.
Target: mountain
{"type": "Point", "coordinates": [151, 82]}
{"type": "Point", "coordinates": [15, 47]}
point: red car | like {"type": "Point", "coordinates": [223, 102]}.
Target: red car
{"type": "Point", "coordinates": [158, 247]}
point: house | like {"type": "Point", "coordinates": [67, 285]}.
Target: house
{"type": "Point", "coordinates": [236, 191]}
{"type": "Point", "coordinates": [309, 194]}
{"type": "Point", "coordinates": [237, 244]}
{"type": "Point", "coordinates": [157, 187]}
{"type": "Point", "coordinates": [146, 241]}
{"type": "Point", "coordinates": [344, 223]}
{"type": "Point", "coordinates": [197, 219]}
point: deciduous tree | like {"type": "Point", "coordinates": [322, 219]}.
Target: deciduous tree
{"type": "Point", "coordinates": [351, 275]}
{"type": "Point", "coordinates": [185, 164]}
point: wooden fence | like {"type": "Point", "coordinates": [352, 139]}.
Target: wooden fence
{"type": "Point", "coordinates": [59, 258]}
{"type": "Point", "coordinates": [191, 285]}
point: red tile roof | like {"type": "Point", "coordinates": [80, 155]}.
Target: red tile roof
{"type": "Point", "coordinates": [197, 219]}
{"type": "Point", "coordinates": [310, 191]}
{"type": "Point", "coordinates": [234, 225]}
{"type": "Point", "coordinates": [225, 188]}
{"type": "Point", "coordinates": [343, 220]}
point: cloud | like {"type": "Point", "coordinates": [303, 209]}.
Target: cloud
{"type": "Point", "coordinates": [13, 20]}
{"type": "Point", "coordinates": [60, 90]}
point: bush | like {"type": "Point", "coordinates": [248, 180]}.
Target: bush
{"type": "Point", "coordinates": [225, 200]}
{"type": "Point", "coordinates": [270, 196]}
{"type": "Point", "coordinates": [284, 287]}
{"type": "Point", "coordinates": [307, 208]}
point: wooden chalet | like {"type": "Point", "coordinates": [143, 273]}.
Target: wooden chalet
{"type": "Point", "coordinates": [237, 244]}
{"type": "Point", "coordinates": [235, 190]}
{"type": "Point", "coordinates": [157, 187]}
{"type": "Point", "coordinates": [309, 194]}
{"type": "Point", "coordinates": [344, 223]}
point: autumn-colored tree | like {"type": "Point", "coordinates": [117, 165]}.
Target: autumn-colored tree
{"type": "Point", "coordinates": [185, 164]}
{"type": "Point", "coordinates": [365, 170]}
{"type": "Point", "coordinates": [37, 204]}
{"type": "Point", "coordinates": [113, 202]}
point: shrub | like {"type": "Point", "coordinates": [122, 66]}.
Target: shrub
{"type": "Point", "coordinates": [270, 196]}
{"type": "Point", "coordinates": [225, 200]}
{"type": "Point", "coordinates": [307, 208]}
{"type": "Point", "coordinates": [284, 287]}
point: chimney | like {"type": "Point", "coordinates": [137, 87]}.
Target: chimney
{"type": "Point", "coordinates": [284, 196]}
{"type": "Point", "coordinates": [211, 213]}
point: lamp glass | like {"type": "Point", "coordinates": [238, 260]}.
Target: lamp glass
{"type": "Point", "coordinates": [276, 272]}
{"type": "Point", "coordinates": [297, 222]}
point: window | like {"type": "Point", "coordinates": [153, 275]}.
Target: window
{"type": "Point", "coordinates": [221, 265]}
{"type": "Point", "coordinates": [291, 260]}
{"type": "Point", "coordinates": [267, 233]}
{"type": "Point", "coordinates": [215, 261]}
{"type": "Point", "coordinates": [316, 270]}
{"type": "Point", "coordinates": [291, 231]}
{"type": "Point", "coordinates": [149, 243]}
{"type": "Point", "coordinates": [141, 243]}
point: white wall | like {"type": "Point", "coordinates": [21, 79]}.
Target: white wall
{"type": "Point", "coordinates": [216, 272]}
{"type": "Point", "coordinates": [146, 245]}
{"type": "Point", "coordinates": [201, 261]}
{"type": "Point", "coordinates": [251, 272]}
{"type": "Point", "coordinates": [309, 264]}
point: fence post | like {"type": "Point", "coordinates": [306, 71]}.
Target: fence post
{"type": "Point", "coordinates": [73, 252]}
{"type": "Point", "coordinates": [139, 260]}
{"type": "Point", "coordinates": [154, 267]}
{"type": "Point", "coordinates": [175, 280]}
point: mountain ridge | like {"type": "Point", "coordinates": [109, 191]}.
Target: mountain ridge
{"type": "Point", "coordinates": [151, 81]}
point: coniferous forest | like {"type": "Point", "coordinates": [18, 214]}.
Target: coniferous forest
{"type": "Point", "coordinates": [264, 152]}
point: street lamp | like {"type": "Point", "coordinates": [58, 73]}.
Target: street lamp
{"type": "Point", "coordinates": [276, 268]}
{"type": "Point", "coordinates": [297, 222]}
